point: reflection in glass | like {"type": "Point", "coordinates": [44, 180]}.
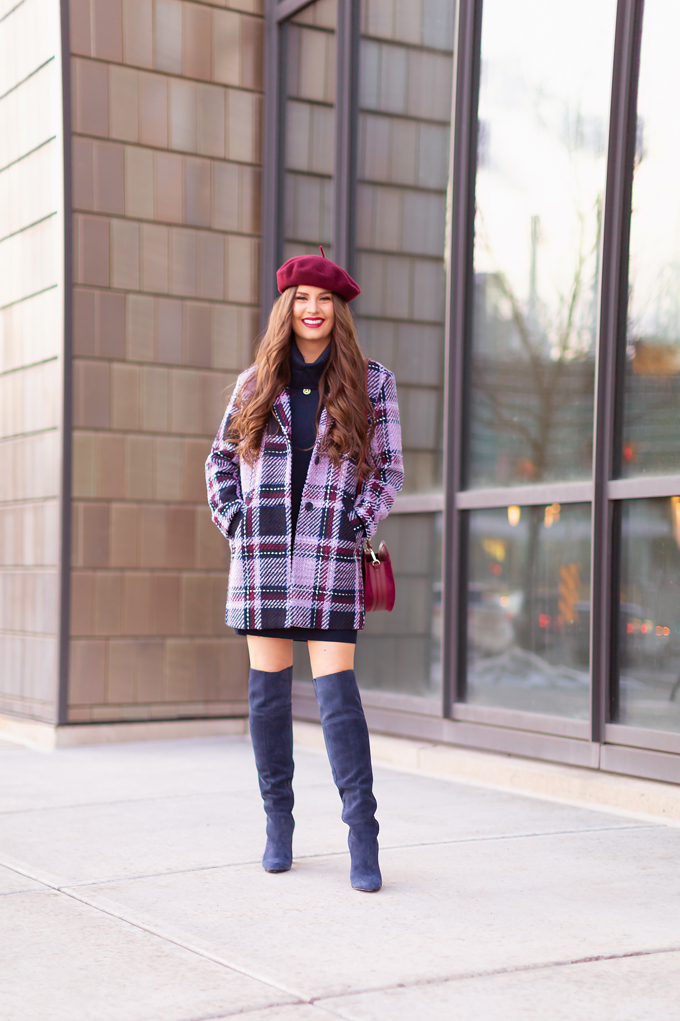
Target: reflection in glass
{"type": "Point", "coordinates": [401, 651]}
{"type": "Point", "coordinates": [652, 388]}
{"type": "Point", "coordinates": [404, 121]}
{"type": "Point", "coordinates": [649, 615]}
{"type": "Point", "coordinates": [310, 59]}
{"type": "Point", "coordinates": [529, 609]}
{"type": "Point", "coordinates": [543, 115]}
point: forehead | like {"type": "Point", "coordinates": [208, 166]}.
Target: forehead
{"type": "Point", "coordinates": [310, 289]}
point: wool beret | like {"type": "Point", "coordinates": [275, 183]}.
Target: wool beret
{"type": "Point", "coordinates": [317, 271]}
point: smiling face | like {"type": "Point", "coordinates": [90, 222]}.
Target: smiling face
{"type": "Point", "coordinates": [313, 320]}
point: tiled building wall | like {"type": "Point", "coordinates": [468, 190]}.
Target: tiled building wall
{"type": "Point", "coordinates": [166, 100]}
{"type": "Point", "coordinates": [31, 353]}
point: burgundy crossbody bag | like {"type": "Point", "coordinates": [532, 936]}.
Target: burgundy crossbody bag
{"type": "Point", "coordinates": [379, 587]}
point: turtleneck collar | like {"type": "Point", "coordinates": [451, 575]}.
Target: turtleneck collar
{"type": "Point", "coordinates": [306, 375]}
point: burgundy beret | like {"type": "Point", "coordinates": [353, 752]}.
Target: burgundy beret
{"type": "Point", "coordinates": [317, 271]}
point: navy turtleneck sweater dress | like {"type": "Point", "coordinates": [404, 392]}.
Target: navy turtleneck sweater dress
{"type": "Point", "coordinates": [304, 405]}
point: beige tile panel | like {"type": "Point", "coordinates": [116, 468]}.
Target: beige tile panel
{"type": "Point", "coordinates": [166, 187]}
{"type": "Point", "coordinates": [182, 114]}
{"type": "Point", "coordinates": [87, 671]}
{"type": "Point", "coordinates": [98, 323]}
{"type": "Point", "coordinates": [90, 97]}
{"type": "Point", "coordinates": [91, 250]}
{"type": "Point", "coordinates": [192, 40]}
{"type": "Point", "coordinates": [138, 32]}
{"type": "Point", "coordinates": [211, 103]}
{"type": "Point", "coordinates": [29, 600]}
{"type": "Point", "coordinates": [92, 393]}
{"type": "Point", "coordinates": [30, 467]}
{"type": "Point", "coordinates": [164, 112]}
{"type": "Point", "coordinates": [29, 261]}
{"type": "Point", "coordinates": [28, 333]}
{"type": "Point", "coordinates": [154, 258]}
{"type": "Point", "coordinates": [107, 29]}
{"type": "Point", "coordinates": [90, 534]}
{"type": "Point", "coordinates": [168, 36]}
{"type": "Point", "coordinates": [28, 675]}
{"type": "Point", "coordinates": [116, 466]}
{"type": "Point", "coordinates": [197, 41]}
{"type": "Point", "coordinates": [27, 41]}
{"type": "Point", "coordinates": [125, 396]}
{"type": "Point", "coordinates": [29, 189]}
{"type": "Point", "coordinates": [124, 102]}
{"type": "Point", "coordinates": [124, 539]}
{"type": "Point", "coordinates": [154, 125]}
{"type": "Point", "coordinates": [151, 678]}
{"type": "Point", "coordinates": [147, 536]}
{"type": "Point", "coordinates": [80, 28]}
{"type": "Point", "coordinates": [244, 126]}
{"type": "Point", "coordinates": [125, 255]}
{"type": "Point", "coordinates": [29, 534]}
{"type": "Point", "coordinates": [29, 399]}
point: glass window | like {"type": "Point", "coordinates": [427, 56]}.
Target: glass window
{"type": "Point", "coordinates": [543, 124]}
{"type": "Point", "coordinates": [528, 619]}
{"type": "Point", "coordinates": [652, 379]}
{"type": "Point", "coordinates": [649, 615]}
{"type": "Point", "coordinates": [401, 651]}
{"type": "Point", "coordinates": [310, 43]}
{"type": "Point", "coordinates": [404, 122]}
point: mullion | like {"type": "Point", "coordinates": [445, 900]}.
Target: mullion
{"type": "Point", "coordinates": [459, 302]}
{"type": "Point", "coordinates": [611, 340]}
{"type": "Point", "coordinates": [348, 21]}
{"type": "Point", "coordinates": [273, 148]}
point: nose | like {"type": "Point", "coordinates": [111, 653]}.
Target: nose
{"type": "Point", "coordinates": [313, 306]}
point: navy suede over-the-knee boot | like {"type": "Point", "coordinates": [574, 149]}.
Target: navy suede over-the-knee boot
{"type": "Point", "coordinates": [349, 752]}
{"type": "Point", "coordinates": [271, 732]}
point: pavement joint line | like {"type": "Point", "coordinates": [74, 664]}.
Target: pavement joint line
{"type": "Point", "coordinates": [321, 1001]}
{"type": "Point", "coordinates": [190, 947]}
{"type": "Point", "coordinates": [153, 931]}
{"type": "Point", "coordinates": [511, 970]}
{"type": "Point", "coordinates": [65, 887]}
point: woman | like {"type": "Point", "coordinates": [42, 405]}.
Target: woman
{"type": "Point", "coordinates": [306, 463]}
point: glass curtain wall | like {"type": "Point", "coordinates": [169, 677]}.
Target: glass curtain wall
{"type": "Point", "coordinates": [405, 79]}
{"type": "Point", "coordinates": [648, 631]}
{"type": "Point", "coordinates": [544, 99]}
{"type": "Point", "coordinates": [309, 130]}
{"type": "Point", "coordinates": [535, 306]}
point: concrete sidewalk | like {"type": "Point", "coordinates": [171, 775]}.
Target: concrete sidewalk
{"type": "Point", "coordinates": [131, 890]}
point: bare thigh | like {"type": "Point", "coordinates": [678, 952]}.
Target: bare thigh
{"type": "Point", "coordinates": [330, 657]}
{"type": "Point", "coordinates": [274, 654]}
{"type": "Point", "coordinates": [270, 654]}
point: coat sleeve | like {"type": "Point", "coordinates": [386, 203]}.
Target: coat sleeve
{"type": "Point", "coordinates": [223, 476]}
{"type": "Point", "coordinates": [377, 492]}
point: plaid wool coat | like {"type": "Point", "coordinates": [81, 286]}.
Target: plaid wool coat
{"type": "Point", "coordinates": [318, 582]}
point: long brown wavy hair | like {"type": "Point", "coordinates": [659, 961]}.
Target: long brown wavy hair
{"type": "Point", "coordinates": [342, 388]}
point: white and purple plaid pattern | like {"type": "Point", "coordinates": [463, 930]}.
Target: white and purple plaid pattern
{"type": "Point", "coordinates": [317, 584]}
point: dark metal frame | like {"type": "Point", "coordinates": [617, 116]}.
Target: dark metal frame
{"type": "Point", "coordinates": [598, 743]}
